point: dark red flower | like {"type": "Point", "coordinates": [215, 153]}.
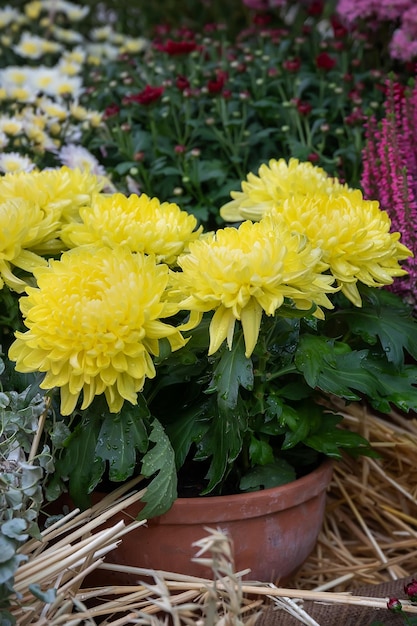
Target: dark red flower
{"type": "Point", "coordinates": [356, 118]}
{"type": "Point", "coordinates": [175, 48]}
{"type": "Point", "coordinates": [182, 83]}
{"type": "Point", "coordinates": [216, 85]}
{"type": "Point", "coordinates": [262, 19]}
{"type": "Point", "coordinates": [111, 111]}
{"type": "Point", "coordinates": [411, 590]}
{"type": "Point", "coordinates": [395, 605]}
{"type": "Point", "coordinates": [315, 8]}
{"type": "Point", "coordinates": [292, 65]}
{"type": "Point", "coordinates": [313, 157]}
{"type": "Point", "coordinates": [147, 96]}
{"type": "Point", "coordinates": [325, 61]}
{"type": "Point", "coordinates": [304, 108]}
{"type": "Point", "coordinates": [339, 30]}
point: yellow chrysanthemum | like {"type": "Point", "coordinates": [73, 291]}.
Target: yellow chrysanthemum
{"type": "Point", "coordinates": [94, 322]}
{"type": "Point", "coordinates": [59, 193]}
{"type": "Point", "coordinates": [139, 222]}
{"type": "Point", "coordinates": [21, 224]}
{"type": "Point", "coordinates": [239, 273]}
{"type": "Point", "coordinates": [276, 181]}
{"type": "Point", "coordinates": [354, 235]}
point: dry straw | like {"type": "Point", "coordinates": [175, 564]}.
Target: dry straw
{"type": "Point", "coordinates": [370, 529]}
{"type": "Point", "coordinates": [369, 537]}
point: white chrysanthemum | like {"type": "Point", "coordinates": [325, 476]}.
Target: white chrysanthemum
{"type": "Point", "coordinates": [53, 109]}
{"type": "Point", "coordinates": [14, 76]}
{"type": "Point", "coordinates": [67, 86]}
{"type": "Point", "coordinates": [79, 157]}
{"type": "Point", "coordinates": [8, 15]}
{"type": "Point", "coordinates": [74, 12]}
{"type": "Point", "coordinates": [102, 33]}
{"type": "Point", "coordinates": [76, 55]}
{"type": "Point", "coordinates": [66, 35]}
{"type": "Point", "coordinates": [34, 47]}
{"type": "Point", "coordinates": [42, 79]}
{"type": "Point", "coordinates": [133, 44]}
{"type": "Point", "coordinates": [4, 140]}
{"type": "Point", "coordinates": [102, 51]}
{"type": "Point", "coordinates": [11, 125]}
{"type": "Point", "coordinates": [15, 162]}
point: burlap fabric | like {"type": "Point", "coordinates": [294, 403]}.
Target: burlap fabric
{"type": "Point", "coordinates": [338, 615]}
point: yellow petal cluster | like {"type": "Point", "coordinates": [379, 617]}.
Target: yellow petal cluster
{"type": "Point", "coordinates": [58, 192]}
{"type": "Point", "coordinates": [94, 323]}
{"type": "Point", "coordinates": [22, 224]}
{"type": "Point", "coordinates": [141, 223]}
{"type": "Point", "coordinates": [354, 235]}
{"type": "Point", "coordinates": [277, 181]}
{"type": "Point", "coordinates": [241, 273]}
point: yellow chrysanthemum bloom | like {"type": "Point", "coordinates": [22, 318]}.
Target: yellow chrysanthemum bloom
{"type": "Point", "coordinates": [94, 324]}
{"type": "Point", "coordinates": [276, 181]}
{"type": "Point", "coordinates": [59, 193]}
{"type": "Point", "coordinates": [139, 222]}
{"type": "Point", "coordinates": [241, 273]}
{"type": "Point", "coordinates": [354, 235]}
{"type": "Point", "coordinates": [21, 224]}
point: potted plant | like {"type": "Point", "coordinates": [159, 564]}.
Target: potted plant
{"type": "Point", "coordinates": [205, 361]}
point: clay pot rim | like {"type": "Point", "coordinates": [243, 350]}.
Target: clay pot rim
{"type": "Point", "coordinates": [223, 508]}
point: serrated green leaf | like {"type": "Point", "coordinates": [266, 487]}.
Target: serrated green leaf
{"type": "Point", "coordinates": [77, 461]}
{"type": "Point", "coordinates": [391, 325]}
{"type": "Point", "coordinates": [327, 366]}
{"type": "Point", "coordinates": [160, 460]}
{"type": "Point", "coordinates": [396, 387]}
{"type": "Point", "coordinates": [187, 428]}
{"type": "Point", "coordinates": [122, 436]}
{"type": "Point", "coordinates": [232, 371]}
{"type": "Point", "coordinates": [223, 442]}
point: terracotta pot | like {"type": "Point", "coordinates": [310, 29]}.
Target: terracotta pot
{"type": "Point", "coordinates": [273, 531]}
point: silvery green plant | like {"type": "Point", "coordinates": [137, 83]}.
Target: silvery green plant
{"type": "Point", "coordinates": [23, 471]}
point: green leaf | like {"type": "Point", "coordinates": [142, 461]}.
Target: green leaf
{"type": "Point", "coordinates": [232, 371]}
{"type": "Point", "coordinates": [160, 460]}
{"type": "Point", "coordinates": [124, 168]}
{"type": "Point", "coordinates": [15, 528]}
{"type": "Point", "coordinates": [188, 428]}
{"type": "Point", "coordinates": [6, 618]}
{"type": "Point", "coordinates": [266, 476]}
{"type": "Point", "coordinates": [329, 439]}
{"type": "Point", "coordinates": [393, 386]}
{"type": "Point", "coordinates": [122, 435]}
{"type": "Point", "coordinates": [260, 452]}
{"type": "Point", "coordinates": [325, 365]}
{"type": "Point", "coordinates": [387, 320]}
{"type": "Point", "coordinates": [7, 549]}
{"type": "Point", "coordinates": [8, 567]}
{"type": "Point", "coordinates": [77, 460]}
{"type": "Point", "coordinates": [223, 441]}
{"type": "Point", "coordinates": [47, 596]}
